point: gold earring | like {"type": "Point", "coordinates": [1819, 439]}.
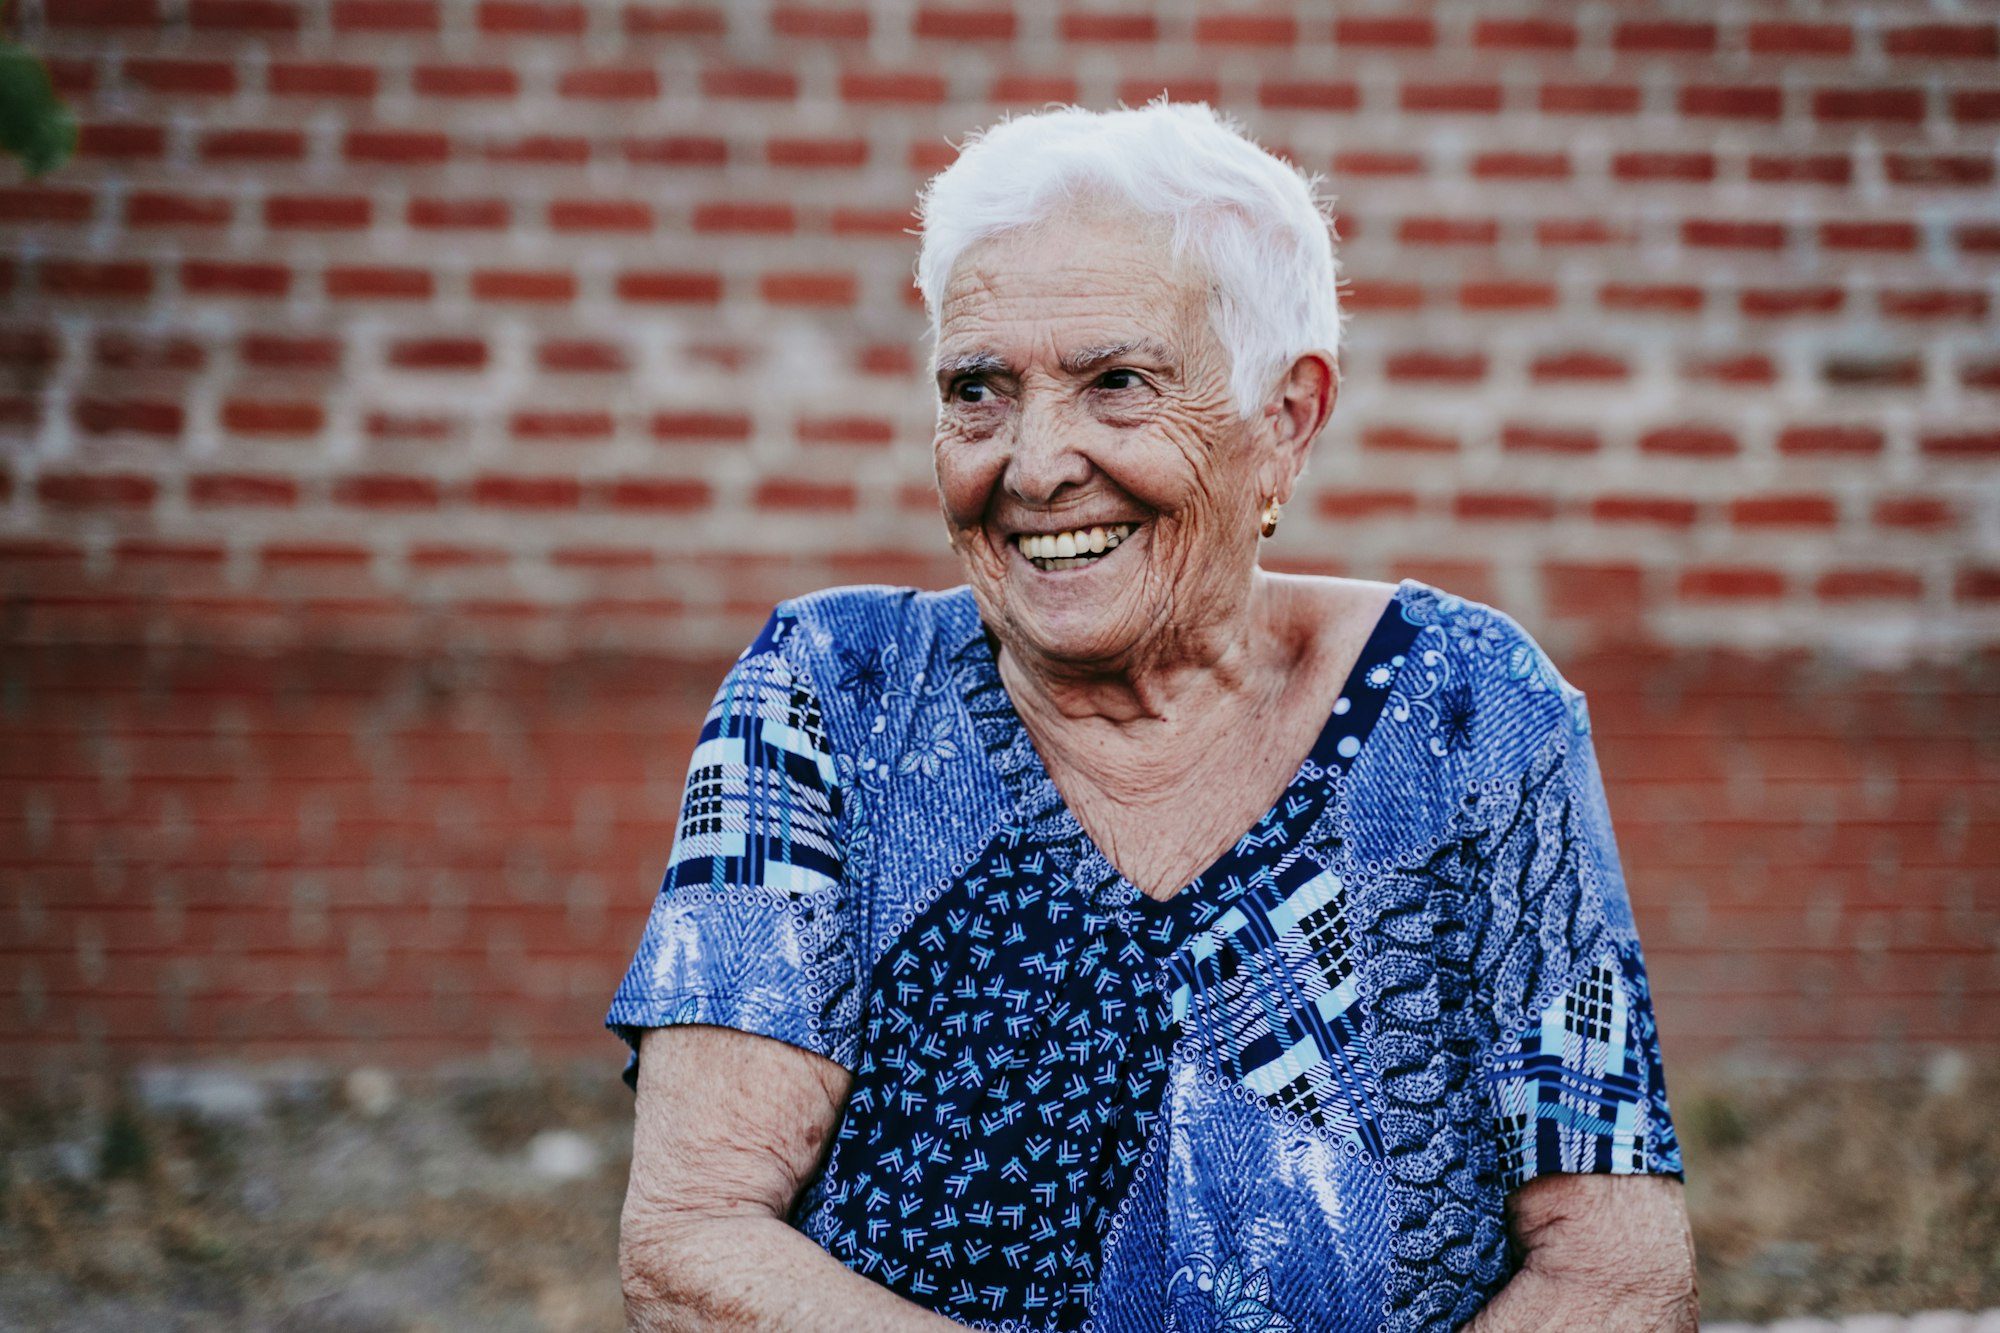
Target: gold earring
{"type": "Point", "coordinates": [1271, 517]}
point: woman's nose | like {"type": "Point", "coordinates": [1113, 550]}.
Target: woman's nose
{"type": "Point", "coordinates": [1047, 453]}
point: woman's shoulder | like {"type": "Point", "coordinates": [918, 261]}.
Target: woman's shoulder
{"type": "Point", "coordinates": [1499, 659]}
{"type": "Point", "coordinates": [863, 637]}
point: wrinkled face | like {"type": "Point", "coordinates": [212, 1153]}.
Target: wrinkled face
{"type": "Point", "coordinates": [1101, 490]}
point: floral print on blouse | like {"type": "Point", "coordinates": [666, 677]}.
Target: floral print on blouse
{"type": "Point", "coordinates": [1294, 1096]}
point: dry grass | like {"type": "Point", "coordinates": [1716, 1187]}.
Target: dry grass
{"type": "Point", "coordinates": [1808, 1197]}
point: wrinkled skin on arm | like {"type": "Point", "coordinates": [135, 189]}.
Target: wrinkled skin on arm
{"type": "Point", "coordinates": [1603, 1252]}
{"type": "Point", "coordinates": [729, 1128]}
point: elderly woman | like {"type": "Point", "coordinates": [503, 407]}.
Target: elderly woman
{"type": "Point", "coordinates": [1131, 938]}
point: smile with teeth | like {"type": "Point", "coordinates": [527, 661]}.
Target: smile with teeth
{"type": "Point", "coordinates": [1067, 550]}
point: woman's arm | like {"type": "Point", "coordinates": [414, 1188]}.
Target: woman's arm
{"type": "Point", "coordinates": [1605, 1252]}
{"type": "Point", "coordinates": [729, 1128]}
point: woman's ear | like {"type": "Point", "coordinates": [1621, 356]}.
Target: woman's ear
{"type": "Point", "coordinates": [1302, 404]}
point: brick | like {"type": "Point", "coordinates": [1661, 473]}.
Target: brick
{"type": "Point", "coordinates": [1404, 32]}
{"type": "Point", "coordinates": [1356, 162]}
{"type": "Point", "coordinates": [387, 491]}
{"type": "Point", "coordinates": [1744, 369]}
{"type": "Point", "coordinates": [96, 490]}
{"type": "Point", "coordinates": [530, 285]}
{"type": "Point", "coordinates": [548, 425]}
{"type": "Point", "coordinates": [844, 430]}
{"type": "Point", "coordinates": [464, 81]}
{"type": "Point", "coordinates": [524, 18]}
{"type": "Point", "coordinates": [1873, 584]}
{"type": "Point", "coordinates": [109, 279]}
{"type": "Point", "coordinates": [1588, 99]}
{"type": "Point", "coordinates": [1193, 88]}
{"type": "Point", "coordinates": [719, 216]}
{"type": "Point", "coordinates": [1980, 374]}
{"type": "Point", "coordinates": [1521, 166]}
{"type": "Point", "coordinates": [1503, 506]}
{"type": "Point", "coordinates": [1451, 98]}
{"type": "Point", "coordinates": [1032, 89]}
{"type": "Point", "coordinates": [241, 416]}
{"type": "Point", "coordinates": [117, 349]}
{"type": "Point", "coordinates": [599, 215]}
{"type": "Point", "coordinates": [671, 288]}
{"type": "Point", "coordinates": [1309, 95]}
{"type": "Point", "coordinates": [294, 555]}
{"type": "Point", "coordinates": [1523, 34]}
{"type": "Point", "coordinates": [317, 212]}
{"type": "Point", "coordinates": [1676, 298]}
{"type": "Point", "coordinates": [1365, 504]}
{"type": "Point", "coordinates": [101, 13]}
{"type": "Point", "coordinates": [1856, 372]}
{"type": "Point", "coordinates": [1108, 27]}
{"type": "Point", "coordinates": [1977, 238]}
{"type": "Point", "coordinates": [438, 354]}
{"type": "Point", "coordinates": [1408, 439]}
{"type": "Point", "coordinates": [1947, 170]}
{"type": "Point", "coordinates": [1803, 169]}
{"type": "Point", "coordinates": [373, 282]}
{"type": "Point", "coordinates": [110, 140]}
{"type": "Point", "coordinates": [292, 78]}
{"type": "Point", "coordinates": [1943, 41]}
{"type": "Point", "coordinates": [1838, 441]}
{"type": "Point", "coordinates": [186, 78]}
{"type": "Point", "coordinates": [768, 85]}
{"type": "Point", "coordinates": [203, 277]}
{"type": "Point", "coordinates": [580, 356]}
{"type": "Point", "coordinates": [1663, 37]}
{"type": "Point", "coordinates": [1887, 105]}
{"type": "Point", "coordinates": [1658, 510]}
{"type": "Point", "coordinates": [1516, 295]}
{"type": "Point", "coordinates": [813, 153]}
{"type": "Point", "coordinates": [432, 214]}
{"type": "Point", "coordinates": [963, 25]}
{"type": "Point", "coordinates": [267, 16]}
{"type": "Point", "coordinates": [272, 351]}
{"type": "Point", "coordinates": [1579, 365]}
{"type": "Point", "coordinates": [671, 495]}
{"type": "Point", "coordinates": [1364, 295]}
{"type": "Point", "coordinates": [1977, 584]}
{"type": "Point", "coordinates": [1889, 236]}
{"type": "Point", "coordinates": [1448, 231]}
{"type": "Point", "coordinates": [792, 494]}
{"type": "Point", "coordinates": [1436, 367]}
{"type": "Point", "coordinates": [1689, 441]}
{"type": "Point", "coordinates": [677, 150]}
{"type": "Point", "coordinates": [1800, 39]}
{"type": "Point", "coordinates": [1729, 583]}
{"type": "Point", "coordinates": [403, 16]}
{"type": "Point", "coordinates": [507, 491]}
{"type": "Point", "coordinates": [729, 427]}
{"type": "Point", "coordinates": [1663, 167]}
{"type": "Point", "coordinates": [1732, 101]}
{"type": "Point", "coordinates": [1781, 302]}
{"type": "Point", "coordinates": [1784, 511]}
{"type": "Point", "coordinates": [33, 204]}
{"type": "Point", "coordinates": [396, 147]}
{"type": "Point", "coordinates": [1716, 234]}
{"type": "Point", "coordinates": [675, 21]}
{"type": "Point", "coordinates": [808, 289]}
{"type": "Point", "coordinates": [824, 24]}
{"type": "Point", "coordinates": [242, 490]}
{"type": "Point", "coordinates": [250, 145]}
{"type": "Point", "coordinates": [1248, 29]}
{"type": "Point", "coordinates": [907, 87]}
{"type": "Point", "coordinates": [1526, 438]}
{"type": "Point", "coordinates": [610, 84]}
{"type": "Point", "coordinates": [1934, 303]}
{"type": "Point", "coordinates": [1974, 444]}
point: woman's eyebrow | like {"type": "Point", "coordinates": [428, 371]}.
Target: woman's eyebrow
{"type": "Point", "coordinates": [1087, 358]}
{"type": "Point", "coordinates": [971, 363]}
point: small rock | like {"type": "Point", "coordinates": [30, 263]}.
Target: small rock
{"type": "Point", "coordinates": [562, 1154]}
{"type": "Point", "coordinates": [371, 1091]}
{"type": "Point", "coordinates": [220, 1095]}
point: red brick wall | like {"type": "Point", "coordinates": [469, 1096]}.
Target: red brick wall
{"type": "Point", "coordinates": [405, 405]}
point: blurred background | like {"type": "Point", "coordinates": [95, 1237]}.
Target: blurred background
{"type": "Point", "coordinates": [408, 407]}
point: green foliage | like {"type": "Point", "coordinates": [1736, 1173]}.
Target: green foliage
{"type": "Point", "coordinates": [33, 125]}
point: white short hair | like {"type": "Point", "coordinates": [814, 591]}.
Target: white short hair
{"type": "Point", "coordinates": [1255, 222]}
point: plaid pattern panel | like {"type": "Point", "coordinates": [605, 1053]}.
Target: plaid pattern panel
{"type": "Point", "coordinates": [1572, 1094]}
{"type": "Point", "coordinates": [762, 803]}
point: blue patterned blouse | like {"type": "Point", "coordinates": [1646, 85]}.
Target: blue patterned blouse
{"type": "Point", "coordinates": [1294, 1096]}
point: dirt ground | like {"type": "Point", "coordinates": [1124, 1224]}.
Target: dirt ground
{"type": "Point", "coordinates": [368, 1204]}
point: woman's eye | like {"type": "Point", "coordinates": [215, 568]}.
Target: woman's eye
{"type": "Point", "coordinates": [1130, 379]}
{"type": "Point", "coordinates": [969, 391]}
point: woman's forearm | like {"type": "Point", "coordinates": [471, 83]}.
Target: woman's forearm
{"type": "Point", "coordinates": [1532, 1301]}
{"type": "Point", "coordinates": [752, 1273]}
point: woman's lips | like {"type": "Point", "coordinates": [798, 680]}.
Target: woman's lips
{"type": "Point", "coordinates": [1075, 548]}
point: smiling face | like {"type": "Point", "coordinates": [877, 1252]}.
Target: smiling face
{"type": "Point", "coordinates": [1098, 484]}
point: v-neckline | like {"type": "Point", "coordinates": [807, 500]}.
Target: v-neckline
{"type": "Point", "coordinates": [1040, 803]}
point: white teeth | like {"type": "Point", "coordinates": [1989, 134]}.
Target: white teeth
{"type": "Point", "coordinates": [1061, 550]}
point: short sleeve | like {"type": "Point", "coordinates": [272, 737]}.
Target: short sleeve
{"type": "Point", "coordinates": [751, 929]}
{"type": "Point", "coordinates": [1579, 1087]}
